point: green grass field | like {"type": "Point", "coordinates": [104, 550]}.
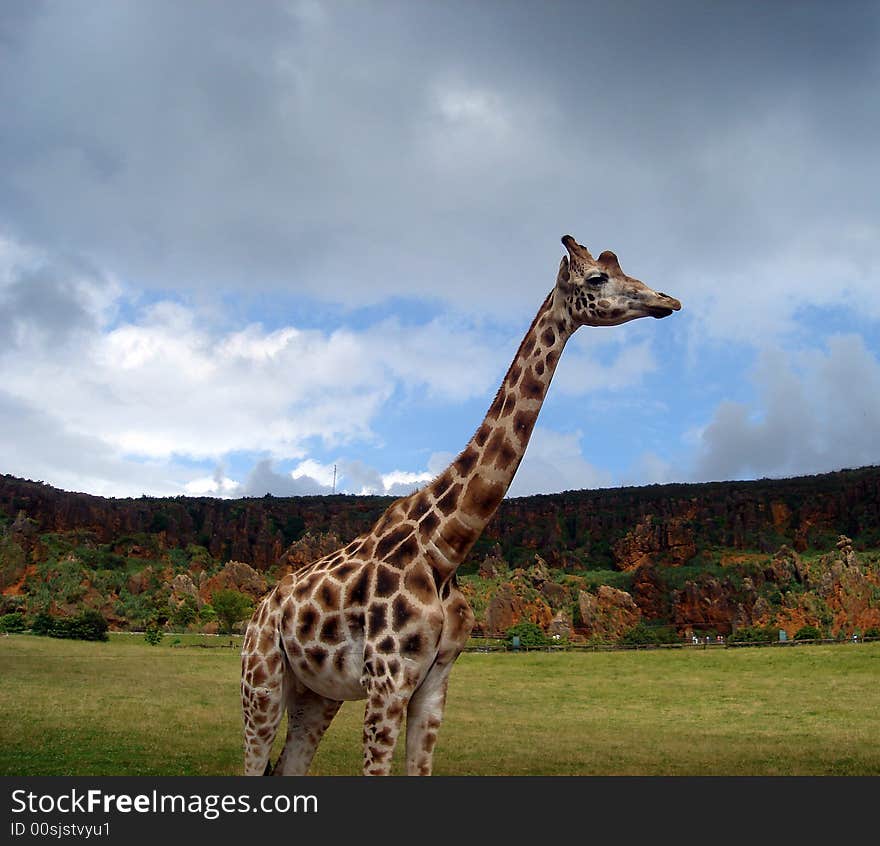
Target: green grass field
{"type": "Point", "coordinates": [126, 708]}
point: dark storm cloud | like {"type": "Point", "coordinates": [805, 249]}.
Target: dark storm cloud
{"type": "Point", "coordinates": [263, 479]}
{"type": "Point", "coordinates": [48, 302]}
{"type": "Point", "coordinates": [814, 415]}
{"type": "Point", "coordinates": [357, 150]}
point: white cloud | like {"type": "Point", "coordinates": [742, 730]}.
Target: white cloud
{"type": "Point", "coordinates": [581, 373]}
{"type": "Point", "coordinates": [651, 469]}
{"type": "Point", "coordinates": [439, 461]}
{"type": "Point", "coordinates": [263, 479]}
{"type": "Point", "coordinates": [448, 362]}
{"type": "Point", "coordinates": [169, 381]}
{"type": "Point", "coordinates": [402, 482]}
{"type": "Point", "coordinates": [462, 105]}
{"type": "Point", "coordinates": [554, 462]}
{"type": "Point", "coordinates": [323, 474]}
{"type": "Point", "coordinates": [36, 444]}
{"type": "Point", "coordinates": [212, 486]}
{"type": "Point", "coordinates": [311, 477]}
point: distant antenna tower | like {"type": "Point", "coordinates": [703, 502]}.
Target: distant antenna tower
{"type": "Point", "coordinates": [334, 478]}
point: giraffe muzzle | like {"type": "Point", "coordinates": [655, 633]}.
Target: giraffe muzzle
{"type": "Point", "coordinates": [663, 306]}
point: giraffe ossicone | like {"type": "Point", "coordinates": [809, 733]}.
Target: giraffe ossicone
{"type": "Point", "coordinates": [383, 619]}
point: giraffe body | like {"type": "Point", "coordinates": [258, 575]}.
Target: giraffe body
{"type": "Point", "coordinates": [383, 619]}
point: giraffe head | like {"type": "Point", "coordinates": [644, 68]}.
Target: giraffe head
{"type": "Point", "coordinates": [596, 292]}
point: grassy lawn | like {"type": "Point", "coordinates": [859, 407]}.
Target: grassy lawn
{"type": "Point", "coordinates": [126, 708]}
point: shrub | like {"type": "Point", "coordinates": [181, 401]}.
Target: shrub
{"type": "Point", "coordinates": [10, 604]}
{"type": "Point", "coordinates": [529, 634]}
{"type": "Point", "coordinates": [153, 634]}
{"type": "Point", "coordinates": [640, 635]}
{"type": "Point", "coordinates": [89, 625]}
{"type": "Point", "coordinates": [179, 559]}
{"type": "Point", "coordinates": [13, 622]}
{"type": "Point", "coordinates": [42, 623]}
{"type": "Point", "coordinates": [872, 632]}
{"type": "Point", "coordinates": [808, 633]}
{"type": "Point", "coordinates": [754, 634]}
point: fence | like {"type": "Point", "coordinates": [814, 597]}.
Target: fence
{"type": "Point", "coordinates": [494, 645]}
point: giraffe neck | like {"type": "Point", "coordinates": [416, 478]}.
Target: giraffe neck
{"type": "Point", "coordinates": [468, 492]}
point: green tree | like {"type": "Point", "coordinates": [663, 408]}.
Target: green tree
{"type": "Point", "coordinates": [153, 634]}
{"type": "Point", "coordinates": [185, 613]}
{"type": "Point", "coordinates": [231, 606]}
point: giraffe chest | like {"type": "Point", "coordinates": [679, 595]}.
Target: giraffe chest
{"type": "Point", "coordinates": [342, 638]}
{"type": "Point", "coordinates": [337, 673]}
{"type": "Point", "coordinates": [346, 671]}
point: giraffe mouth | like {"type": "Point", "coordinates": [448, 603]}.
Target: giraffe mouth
{"type": "Point", "coordinates": [664, 307]}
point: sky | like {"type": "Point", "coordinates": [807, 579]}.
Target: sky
{"type": "Point", "coordinates": [243, 244]}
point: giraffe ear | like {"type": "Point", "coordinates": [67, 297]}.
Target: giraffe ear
{"type": "Point", "coordinates": [609, 260]}
{"type": "Point", "coordinates": [563, 278]}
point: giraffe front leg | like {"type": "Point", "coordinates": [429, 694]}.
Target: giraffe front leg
{"type": "Point", "coordinates": [389, 685]}
{"type": "Point", "coordinates": [308, 716]}
{"type": "Point", "coordinates": [425, 712]}
{"type": "Point", "coordinates": [423, 719]}
{"type": "Point", "coordinates": [383, 718]}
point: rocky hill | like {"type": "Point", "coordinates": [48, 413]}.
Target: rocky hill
{"type": "Point", "coordinates": [705, 557]}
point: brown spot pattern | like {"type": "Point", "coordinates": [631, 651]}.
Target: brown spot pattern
{"type": "Point", "coordinates": [387, 581]}
{"type": "Point", "coordinates": [523, 423]}
{"type": "Point", "coordinates": [404, 553]}
{"type": "Point", "coordinates": [357, 592]}
{"type": "Point", "coordinates": [466, 461]}
{"type": "Point", "coordinates": [403, 612]}
{"type": "Point", "coordinates": [328, 596]}
{"type": "Point", "coordinates": [420, 585]}
{"type": "Point", "coordinates": [458, 536]}
{"type": "Point", "coordinates": [307, 620]}
{"type": "Point", "coordinates": [317, 655]}
{"type": "Point", "coordinates": [389, 541]}
{"type": "Point", "coordinates": [419, 506]}
{"type": "Point", "coordinates": [330, 630]}
{"type": "Point", "coordinates": [377, 618]}
{"type": "Point", "coordinates": [531, 387]}
{"type": "Point", "coordinates": [481, 497]}
{"type": "Point", "coordinates": [429, 522]}
{"type": "Point", "coordinates": [447, 503]}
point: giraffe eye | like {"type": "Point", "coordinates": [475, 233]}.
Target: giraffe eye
{"type": "Point", "coordinates": [596, 278]}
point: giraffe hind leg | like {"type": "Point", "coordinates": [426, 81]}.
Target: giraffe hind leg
{"type": "Point", "coordinates": [308, 716]}
{"type": "Point", "coordinates": [262, 699]}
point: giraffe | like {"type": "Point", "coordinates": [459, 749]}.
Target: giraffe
{"type": "Point", "coordinates": [383, 618]}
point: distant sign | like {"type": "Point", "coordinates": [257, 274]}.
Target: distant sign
{"type": "Point", "coordinates": [783, 636]}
